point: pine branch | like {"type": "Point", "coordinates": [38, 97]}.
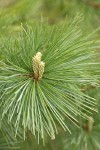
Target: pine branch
{"type": "Point", "coordinates": [38, 98]}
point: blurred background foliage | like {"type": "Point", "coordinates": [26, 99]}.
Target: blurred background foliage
{"type": "Point", "coordinates": [13, 13]}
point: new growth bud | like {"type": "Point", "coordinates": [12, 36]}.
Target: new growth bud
{"type": "Point", "coordinates": [90, 124]}
{"type": "Point", "coordinates": [41, 69]}
{"type": "Point", "coordinates": [38, 66]}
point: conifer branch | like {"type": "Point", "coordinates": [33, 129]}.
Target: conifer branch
{"type": "Point", "coordinates": [70, 63]}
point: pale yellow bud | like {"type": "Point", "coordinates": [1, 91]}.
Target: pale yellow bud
{"type": "Point", "coordinates": [38, 56]}
{"type": "Point", "coordinates": [53, 136]}
{"type": "Point", "coordinates": [90, 124]}
{"type": "Point", "coordinates": [38, 66]}
{"type": "Point", "coordinates": [41, 69]}
{"type": "Point", "coordinates": [35, 63]}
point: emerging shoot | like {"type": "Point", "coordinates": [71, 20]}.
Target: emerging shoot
{"type": "Point", "coordinates": [38, 66]}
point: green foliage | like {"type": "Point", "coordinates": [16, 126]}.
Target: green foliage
{"type": "Point", "coordinates": [20, 11]}
{"type": "Point", "coordinates": [57, 10]}
{"type": "Point", "coordinates": [69, 58]}
{"type": "Point", "coordinates": [69, 88]}
{"type": "Point", "coordinates": [83, 138]}
{"type": "Point", "coordinates": [7, 135]}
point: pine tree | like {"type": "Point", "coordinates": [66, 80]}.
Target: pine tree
{"type": "Point", "coordinates": [47, 78]}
